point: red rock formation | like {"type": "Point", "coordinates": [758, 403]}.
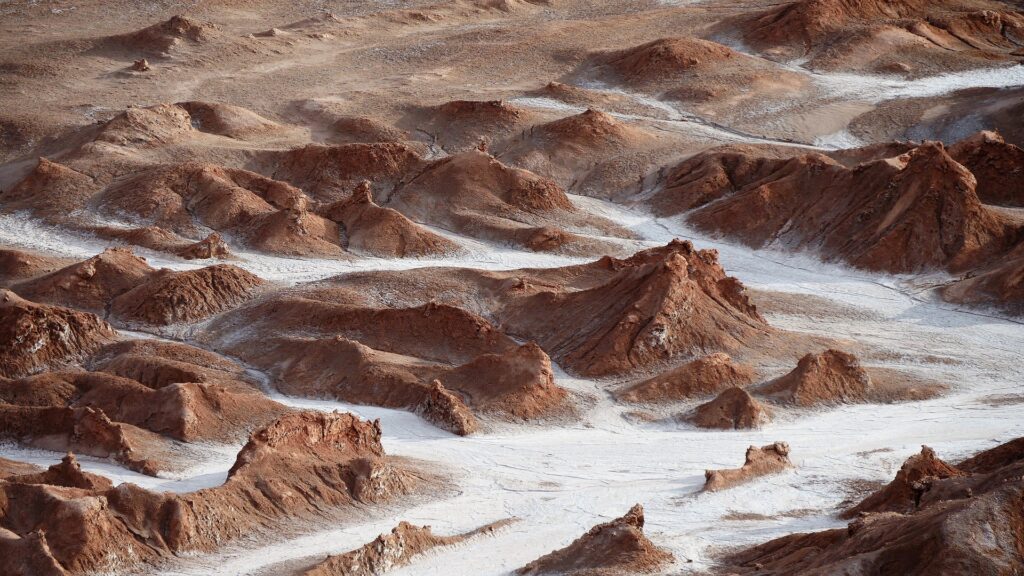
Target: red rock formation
{"type": "Point", "coordinates": [50, 191]}
{"type": "Point", "coordinates": [19, 265]}
{"type": "Point", "coordinates": [82, 430]}
{"type": "Point", "coordinates": [616, 547]}
{"type": "Point", "coordinates": [259, 212]}
{"type": "Point", "coordinates": [706, 375]}
{"type": "Point", "coordinates": [770, 459]}
{"type": "Point", "coordinates": [367, 228]}
{"type": "Point", "coordinates": [35, 336]}
{"type": "Point", "coordinates": [964, 525]}
{"type": "Point", "coordinates": [227, 120]}
{"type": "Point", "coordinates": [658, 305]}
{"type": "Point", "coordinates": [90, 284]}
{"type": "Point", "coordinates": [1000, 284]}
{"type": "Point", "coordinates": [168, 297]}
{"type": "Point", "coordinates": [667, 57]}
{"type": "Point", "coordinates": [995, 458]}
{"type": "Point", "coordinates": [889, 33]}
{"type": "Point", "coordinates": [734, 408]}
{"type": "Point", "coordinates": [157, 363]}
{"type": "Point", "coordinates": [447, 411]}
{"type": "Point", "coordinates": [304, 466]}
{"type": "Point", "coordinates": [904, 214]}
{"type": "Point", "coordinates": [831, 377]}
{"type": "Point", "coordinates": [904, 493]}
{"type": "Point", "coordinates": [997, 166]}
{"type": "Point", "coordinates": [67, 473]}
{"type": "Point", "coordinates": [328, 173]}
{"type": "Point", "coordinates": [162, 37]}
{"type": "Point", "coordinates": [392, 550]}
{"type": "Point", "coordinates": [461, 125]}
{"type": "Point", "coordinates": [213, 246]}
{"type": "Point", "coordinates": [184, 411]}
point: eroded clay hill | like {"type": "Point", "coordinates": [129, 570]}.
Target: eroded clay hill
{"type": "Point", "coordinates": [138, 403]}
{"type": "Point", "coordinates": [616, 547]}
{"type": "Point", "coordinates": [932, 519]}
{"type": "Point", "coordinates": [121, 286]}
{"type": "Point", "coordinates": [36, 336]}
{"type": "Point", "coordinates": [903, 36]}
{"type": "Point", "coordinates": [303, 466]}
{"type": "Point", "coordinates": [695, 71]}
{"type": "Point", "coordinates": [907, 213]}
{"type": "Point", "coordinates": [474, 194]}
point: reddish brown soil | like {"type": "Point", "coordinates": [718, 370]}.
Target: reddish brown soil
{"type": "Point", "coordinates": [462, 125]}
{"type": "Point", "coordinates": [616, 547]}
{"type": "Point", "coordinates": [701, 377]}
{"type": "Point", "coordinates": [18, 265]}
{"type": "Point", "coordinates": [770, 459]}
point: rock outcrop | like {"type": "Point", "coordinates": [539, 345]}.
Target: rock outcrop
{"type": "Point", "coordinates": [701, 377]}
{"type": "Point", "coordinates": [733, 409]}
{"type": "Point", "coordinates": [369, 229]}
{"type": "Point", "coordinates": [304, 466]}
{"type": "Point", "coordinates": [616, 547]}
{"type": "Point", "coordinates": [36, 336]}
{"type": "Point", "coordinates": [831, 377]}
{"type": "Point", "coordinates": [961, 523]}
{"type": "Point", "coordinates": [387, 551]}
{"type": "Point", "coordinates": [168, 297]}
{"type": "Point", "coordinates": [904, 493]}
{"type": "Point", "coordinates": [770, 459]}
{"type": "Point", "coordinates": [997, 166]}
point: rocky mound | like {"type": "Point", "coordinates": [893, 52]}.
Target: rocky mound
{"type": "Point", "coordinates": [67, 473]}
{"type": "Point", "coordinates": [90, 284]}
{"type": "Point", "coordinates": [329, 173]}
{"type": "Point", "coordinates": [462, 125]}
{"type": "Point", "coordinates": [213, 246]}
{"type": "Point", "coordinates": [616, 547]}
{"type": "Point", "coordinates": [163, 37]}
{"type": "Point", "coordinates": [35, 336]}
{"type": "Point", "coordinates": [392, 550]}
{"type": "Point", "coordinates": [831, 377]}
{"type": "Point", "coordinates": [658, 305]}
{"type": "Point", "coordinates": [367, 228]}
{"type": "Point", "coordinates": [733, 409]}
{"type": "Point", "coordinates": [770, 459]}
{"type": "Point", "coordinates": [81, 430]}
{"type": "Point", "coordinates": [883, 35]}
{"type": "Point", "coordinates": [50, 191]}
{"type": "Point", "coordinates": [447, 411]}
{"type": "Point", "coordinates": [304, 466]}
{"type": "Point", "coordinates": [962, 524]}
{"type": "Point", "coordinates": [169, 297]}
{"type": "Point", "coordinates": [580, 152]}
{"type": "Point", "coordinates": [1001, 284]}
{"type": "Point", "coordinates": [158, 363]}
{"type": "Point", "coordinates": [904, 214]}
{"type": "Point", "coordinates": [904, 493]}
{"type": "Point", "coordinates": [707, 375]}
{"type": "Point", "coordinates": [227, 120]}
{"type": "Point", "coordinates": [192, 198]}
{"type": "Point", "coordinates": [18, 265]}
{"type": "Point", "coordinates": [184, 411]}
{"type": "Point", "coordinates": [693, 70]}
{"type": "Point", "coordinates": [474, 194]}
{"type": "Point", "coordinates": [997, 166]}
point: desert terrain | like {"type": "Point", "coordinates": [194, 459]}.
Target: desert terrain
{"type": "Point", "coordinates": [493, 287]}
